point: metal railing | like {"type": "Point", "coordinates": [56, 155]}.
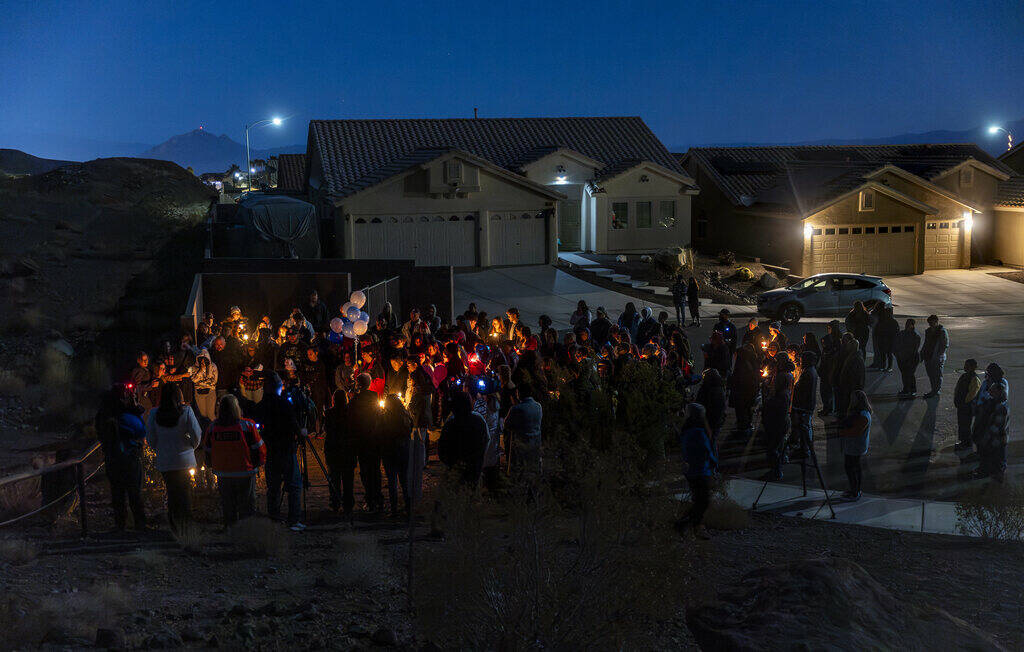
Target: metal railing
{"type": "Point", "coordinates": [379, 293]}
{"type": "Point", "coordinates": [80, 481]}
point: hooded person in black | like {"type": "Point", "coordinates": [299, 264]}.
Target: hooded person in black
{"type": "Point", "coordinates": [858, 322]}
{"type": "Point", "coordinates": [280, 430]}
{"type": "Point", "coordinates": [712, 396]}
{"type": "Point", "coordinates": [830, 344]}
{"type": "Point", "coordinates": [775, 415]}
{"type": "Point", "coordinates": [744, 384]}
{"type": "Point", "coordinates": [886, 331]}
{"type": "Point", "coordinates": [805, 398]}
{"type": "Point", "coordinates": [907, 350]}
{"type": "Point", "coordinates": [364, 413]}
{"type": "Point", "coordinates": [850, 375]}
{"type": "Point", "coordinates": [340, 453]}
{"type": "Point", "coordinates": [464, 439]}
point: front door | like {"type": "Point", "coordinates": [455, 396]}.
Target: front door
{"type": "Point", "coordinates": [569, 225]}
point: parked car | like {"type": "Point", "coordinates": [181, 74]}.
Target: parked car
{"type": "Point", "coordinates": [823, 295]}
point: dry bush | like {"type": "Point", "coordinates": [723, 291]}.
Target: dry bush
{"type": "Point", "coordinates": [993, 511]}
{"type": "Point", "coordinates": [360, 562]}
{"type": "Point", "coordinates": [16, 551]}
{"type": "Point", "coordinates": [192, 538]}
{"type": "Point", "coordinates": [723, 513]}
{"type": "Point", "coordinates": [258, 537]}
{"type": "Point", "coordinates": [599, 574]}
{"type": "Point", "coordinates": [62, 616]}
{"type": "Point", "coordinates": [11, 384]}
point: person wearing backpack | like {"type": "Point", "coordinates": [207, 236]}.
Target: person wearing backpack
{"type": "Point", "coordinates": [122, 434]}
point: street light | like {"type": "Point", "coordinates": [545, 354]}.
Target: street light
{"type": "Point", "coordinates": [995, 129]}
{"type": "Point", "coordinates": [248, 161]}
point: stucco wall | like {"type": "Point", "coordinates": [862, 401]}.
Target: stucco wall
{"type": "Point", "coordinates": [1008, 243]}
{"type": "Point", "coordinates": [981, 192]}
{"type": "Point", "coordinates": [630, 189]}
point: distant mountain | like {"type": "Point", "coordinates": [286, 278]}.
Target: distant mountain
{"type": "Point", "coordinates": [993, 144]}
{"type": "Point", "coordinates": [206, 152]}
{"type": "Point", "coordinates": [14, 161]}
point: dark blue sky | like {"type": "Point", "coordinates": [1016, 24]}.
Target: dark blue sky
{"type": "Point", "coordinates": [696, 72]}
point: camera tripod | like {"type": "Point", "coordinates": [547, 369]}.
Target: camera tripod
{"type": "Point", "coordinates": [808, 446]}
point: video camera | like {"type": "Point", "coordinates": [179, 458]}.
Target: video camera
{"type": "Point", "coordinates": [483, 384]}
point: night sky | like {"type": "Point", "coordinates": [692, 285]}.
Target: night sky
{"type": "Point", "coordinates": [721, 72]}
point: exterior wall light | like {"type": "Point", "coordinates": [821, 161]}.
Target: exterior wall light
{"type": "Point", "coordinates": [808, 230]}
{"type": "Point", "coordinates": [968, 220]}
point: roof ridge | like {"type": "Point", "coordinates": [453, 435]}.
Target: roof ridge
{"type": "Point", "coordinates": [562, 117]}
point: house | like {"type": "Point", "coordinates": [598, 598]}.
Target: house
{"type": "Point", "coordinates": [291, 173]}
{"type": "Point", "coordinates": [1008, 246]}
{"type": "Point", "coordinates": [879, 209]}
{"type": "Point", "coordinates": [502, 191]}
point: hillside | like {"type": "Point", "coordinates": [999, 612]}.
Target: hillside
{"type": "Point", "coordinates": [206, 152]}
{"type": "Point", "coordinates": [13, 161]}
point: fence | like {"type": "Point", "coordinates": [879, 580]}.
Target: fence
{"type": "Point", "coordinates": [380, 293]}
{"type": "Point", "coordinates": [78, 465]}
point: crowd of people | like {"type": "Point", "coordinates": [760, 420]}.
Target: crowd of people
{"type": "Point", "coordinates": [245, 395]}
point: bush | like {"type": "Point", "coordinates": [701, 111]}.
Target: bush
{"type": "Point", "coordinates": [258, 537]}
{"type": "Point", "coordinates": [995, 511]}
{"type": "Point", "coordinates": [726, 257]}
{"type": "Point", "coordinates": [744, 274]}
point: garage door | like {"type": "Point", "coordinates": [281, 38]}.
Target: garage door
{"type": "Point", "coordinates": [427, 239]}
{"type": "Point", "coordinates": [942, 245]}
{"type": "Point", "coordinates": [864, 249]}
{"type": "Point", "coordinates": [519, 238]}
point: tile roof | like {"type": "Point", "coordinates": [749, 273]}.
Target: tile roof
{"type": "Point", "coordinates": [1011, 193]}
{"type": "Point", "coordinates": [358, 153]}
{"type": "Point", "coordinates": [802, 177]}
{"type": "Point", "coordinates": [291, 172]}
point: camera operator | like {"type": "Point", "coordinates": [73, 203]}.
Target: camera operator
{"type": "Point", "coordinates": [281, 432]}
{"type": "Point", "coordinates": [122, 434]}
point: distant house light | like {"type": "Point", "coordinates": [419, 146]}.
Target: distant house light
{"type": "Point", "coordinates": [561, 180]}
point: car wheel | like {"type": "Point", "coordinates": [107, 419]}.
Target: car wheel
{"type": "Point", "coordinates": [791, 313]}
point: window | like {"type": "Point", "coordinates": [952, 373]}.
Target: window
{"type": "Point", "coordinates": [867, 200]}
{"type": "Point", "coordinates": [830, 231]}
{"type": "Point", "coordinates": [931, 225]}
{"type": "Point", "coordinates": [453, 171]}
{"type": "Point", "coordinates": [908, 229]}
{"type": "Point", "coordinates": [883, 229]}
{"type": "Point", "coordinates": [643, 215]}
{"type": "Point", "coordinates": [943, 225]}
{"type": "Point", "coordinates": [816, 232]}
{"type": "Point", "coordinates": [869, 230]}
{"type": "Point", "coordinates": [966, 176]}
{"type": "Point", "coordinates": [620, 215]}
{"type": "Point", "coordinates": [896, 229]}
{"type": "Point", "coordinates": [667, 214]}
{"type": "Point", "coordinates": [844, 231]}
{"type": "Point", "coordinates": [855, 230]}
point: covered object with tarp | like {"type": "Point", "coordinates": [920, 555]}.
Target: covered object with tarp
{"type": "Point", "coordinates": [267, 226]}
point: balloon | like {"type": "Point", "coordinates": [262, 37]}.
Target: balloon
{"type": "Point", "coordinates": [352, 313]}
{"type": "Point", "coordinates": [347, 331]}
{"type": "Point", "coordinates": [360, 327]}
{"type": "Point", "coordinates": [364, 317]}
{"type": "Point", "coordinates": [336, 325]}
{"type": "Point", "coordinates": [358, 299]}
{"type": "Point", "coordinates": [344, 308]}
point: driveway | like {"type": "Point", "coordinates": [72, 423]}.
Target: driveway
{"type": "Point", "coordinates": [911, 441]}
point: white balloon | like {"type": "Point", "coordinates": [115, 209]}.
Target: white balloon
{"type": "Point", "coordinates": [360, 327]}
{"type": "Point", "coordinates": [348, 331]}
{"type": "Point", "coordinates": [358, 299]}
{"type": "Point", "coordinates": [344, 308]}
{"type": "Point", "coordinates": [352, 313]}
{"type": "Point", "coordinates": [364, 317]}
{"type": "Point", "coordinates": [337, 324]}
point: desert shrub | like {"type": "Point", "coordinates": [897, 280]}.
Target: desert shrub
{"type": "Point", "coordinates": [995, 511]}
{"type": "Point", "coordinates": [17, 551]}
{"type": "Point", "coordinates": [258, 537]}
{"type": "Point", "coordinates": [726, 257]}
{"type": "Point", "coordinates": [744, 274]}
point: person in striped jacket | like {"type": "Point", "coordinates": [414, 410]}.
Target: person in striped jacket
{"type": "Point", "coordinates": [235, 451]}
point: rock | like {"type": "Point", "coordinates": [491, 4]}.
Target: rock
{"type": "Point", "coordinates": [620, 259]}
{"type": "Point", "coordinates": [823, 604]}
{"type": "Point", "coordinates": [385, 636]}
{"type": "Point", "coordinates": [62, 346]}
{"type": "Point", "coordinates": [769, 281]}
{"type": "Point", "coordinates": [670, 260]}
{"type": "Point", "coordinates": [109, 638]}
{"type": "Point", "coordinates": [163, 640]}
{"type": "Point", "coordinates": [645, 259]}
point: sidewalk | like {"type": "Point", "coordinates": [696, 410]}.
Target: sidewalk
{"type": "Point", "coordinates": [904, 514]}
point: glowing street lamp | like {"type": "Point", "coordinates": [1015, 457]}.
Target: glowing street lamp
{"type": "Point", "coordinates": [995, 129]}
{"type": "Point", "coordinates": [276, 121]}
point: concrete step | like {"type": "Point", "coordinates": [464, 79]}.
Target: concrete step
{"type": "Point", "coordinates": [620, 278]}
{"type": "Point", "coordinates": [657, 289]}
{"type": "Point", "coordinates": [601, 271]}
{"type": "Point", "coordinates": [638, 284]}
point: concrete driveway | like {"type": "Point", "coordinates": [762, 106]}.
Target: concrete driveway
{"type": "Point", "coordinates": [911, 451]}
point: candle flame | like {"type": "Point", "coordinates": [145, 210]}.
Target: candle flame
{"type": "Point", "coordinates": [764, 372]}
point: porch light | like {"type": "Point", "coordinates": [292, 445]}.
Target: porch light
{"type": "Point", "coordinates": [560, 180]}
{"type": "Point", "coordinates": [808, 230]}
{"type": "Point", "coordinates": [968, 220]}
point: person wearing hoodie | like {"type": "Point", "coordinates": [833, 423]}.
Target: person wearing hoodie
{"type": "Point", "coordinates": [990, 433]}
{"type": "Point", "coordinates": [717, 355]}
{"type": "Point", "coordinates": [599, 328]}
{"type": "Point", "coordinates": [830, 344]}
{"type": "Point", "coordinates": [629, 320]}
{"type": "Point", "coordinates": [858, 322]}
{"type": "Point", "coordinates": [805, 398]}
{"type": "Point", "coordinates": [701, 462]}
{"type": "Point", "coordinates": [775, 415]}
{"type": "Point", "coordinates": [744, 385]}
{"type": "Point", "coordinates": [173, 432]}
{"type": "Point", "coordinates": [886, 331]}
{"type": "Point", "coordinates": [968, 386]}
{"type": "Point", "coordinates": [933, 354]}
{"type": "Point", "coordinates": [906, 349]}
{"type": "Point", "coordinates": [122, 436]}
{"type": "Point", "coordinates": [204, 378]}
{"type": "Point", "coordinates": [850, 378]}
{"type": "Point", "coordinates": [647, 328]}
{"type": "Point", "coordinates": [693, 301]}
{"type": "Point", "coordinates": [712, 396]}
{"type": "Point", "coordinates": [340, 453]}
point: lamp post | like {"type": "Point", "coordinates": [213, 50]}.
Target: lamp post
{"type": "Point", "coordinates": [248, 162]}
{"type": "Point", "coordinates": [995, 129]}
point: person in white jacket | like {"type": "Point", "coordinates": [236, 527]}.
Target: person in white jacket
{"type": "Point", "coordinates": [204, 377]}
{"type": "Point", "coordinates": [173, 433]}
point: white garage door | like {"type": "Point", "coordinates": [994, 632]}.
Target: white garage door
{"type": "Point", "coordinates": [518, 238]}
{"type": "Point", "coordinates": [942, 245]}
{"type": "Point", "coordinates": [427, 239]}
{"type": "Point", "coordinates": [864, 249]}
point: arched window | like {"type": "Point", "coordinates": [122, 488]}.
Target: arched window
{"type": "Point", "coordinates": [438, 218]}
{"type": "Point", "coordinates": [360, 221]}
{"type": "Point", "coordinates": [453, 218]}
{"type": "Point", "coordinates": [376, 220]}
{"type": "Point", "coordinates": [495, 217]}
{"type": "Point", "coordinates": [469, 218]}
{"type": "Point", "coordinates": [524, 216]}
{"type": "Point", "coordinates": [424, 218]}
{"type": "Point", "coordinates": [407, 219]}
{"type": "Point", "coordinates": [393, 219]}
